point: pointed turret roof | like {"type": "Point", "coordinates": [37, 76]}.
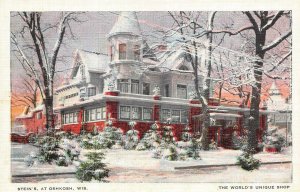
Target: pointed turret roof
{"type": "Point", "coordinates": [127, 23]}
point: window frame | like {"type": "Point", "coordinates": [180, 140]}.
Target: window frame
{"type": "Point", "coordinates": [178, 96]}
{"type": "Point", "coordinates": [122, 51]}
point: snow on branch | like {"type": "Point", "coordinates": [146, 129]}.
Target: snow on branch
{"type": "Point", "coordinates": [271, 22]}
{"type": "Point", "coordinates": [277, 41]}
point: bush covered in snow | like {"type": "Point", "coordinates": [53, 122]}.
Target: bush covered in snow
{"type": "Point", "coordinates": [151, 139]}
{"type": "Point", "coordinates": [186, 135]}
{"type": "Point", "coordinates": [273, 139]}
{"type": "Point", "coordinates": [56, 148]}
{"type": "Point", "coordinates": [109, 137]}
{"type": "Point", "coordinates": [132, 139]}
{"type": "Point", "coordinates": [193, 149]}
{"type": "Point", "coordinates": [92, 168]}
{"type": "Point", "coordinates": [248, 162]}
{"type": "Point", "coordinates": [239, 142]}
{"type": "Point", "coordinates": [167, 135]}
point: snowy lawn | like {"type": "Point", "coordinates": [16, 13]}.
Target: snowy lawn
{"type": "Point", "coordinates": [139, 166]}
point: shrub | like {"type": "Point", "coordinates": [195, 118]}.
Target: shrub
{"type": "Point", "coordinates": [92, 168]}
{"type": "Point", "coordinates": [248, 162]}
{"type": "Point", "coordinates": [132, 139]}
{"type": "Point", "coordinates": [272, 138]}
{"type": "Point", "coordinates": [193, 148]}
{"type": "Point", "coordinates": [151, 139]}
{"type": "Point", "coordinates": [171, 153]}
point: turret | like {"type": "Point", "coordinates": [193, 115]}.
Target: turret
{"type": "Point", "coordinates": [125, 40]}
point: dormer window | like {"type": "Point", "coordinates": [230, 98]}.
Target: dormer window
{"type": "Point", "coordinates": [91, 91]}
{"type": "Point", "coordinates": [122, 51]}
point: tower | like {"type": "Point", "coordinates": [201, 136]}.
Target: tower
{"type": "Point", "coordinates": [125, 45]}
{"type": "Point", "coordinates": [125, 40]}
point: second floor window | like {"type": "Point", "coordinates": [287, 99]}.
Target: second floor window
{"type": "Point", "coordinates": [146, 88]}
{"type": "Point", "coordinates": [135, 86]}
{"type": "Point", "coordinates": [91, 91]}
{"type": "Point", "coordinates": [167, 91]}
{"type": "Point", "coordinates": [122, 51]}
{"type": "Point", "coordinates": [136, 52]}
{"type": "Point", "coordinates": [181, 91]}
{"type": "Point", "coordinates": [123, 85]}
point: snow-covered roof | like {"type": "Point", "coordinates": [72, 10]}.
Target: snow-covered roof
{"type": "Point", "coordinates": [94, 62]}
{"type": "Point", "coordinates": [127, 23]}
{"type": "Point", "coordinates": [173, 60]}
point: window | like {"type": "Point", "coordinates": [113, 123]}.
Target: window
{"type": "Point", "coordinates": [176, 116]}
{"type": "Point", "coordinates": [70, 117]}
{"type": "Point", "coordinates": [124, 112]}
{"type": "Point", "coordinates": [95, 114]}
{"type": "Point", "coordinates": [82, 71]}
{"type": "Point", "coordinates": [123, 85]}
{"type": "Point", "coordinates": [146, 88]}
{"type": "Point", "coordinates": [181, 91]}
{"type": "Point", "coordinates": [39, 115]}
{"type": "Point", "coordinates": [122, 51]}
{"type": "Point", "coordinates": [184, 116]}
{"type": "Point", "coordinates": [165, 114]}
{"type": "Point", "coordinates": [136, 52]}
{"type": "Point", "coordinates": [167, 90]}
{"type": "Point", "coordinates": [98, 113]}
{"type": "Point", "coordinates": [147, 114]}
{"type": "Point", "coordinates": [136, 113]}
{"type": "Point", "coordinates": [87, 115]}
{"type": "Point", "coordinates": [82, 92]}
{"type": "Point", "coordinates": [134, 86]}
{"type": "Point", "coordinates": [111, 53]}
{"type": "Point", "coordinates": [75, 120]}
{"type": "Point", "coordinates": [91, 91]}
{"type": "Point", "coordinates": [103, 113]}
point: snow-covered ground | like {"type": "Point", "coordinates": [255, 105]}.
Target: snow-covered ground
{"type": "Point", "coordinates": [139, 166]}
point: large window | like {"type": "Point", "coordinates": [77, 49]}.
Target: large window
{"type": "Point", "coordinates": [136, 52]}
{"type": "Point", "coordinates": [122, 51]}
{"type": "Point", "coordinates": [134, 86]}
{"type": "Point", "coordinates": [135, 113]}
{"type": "Point", "coordinates": [146, 88]}
{"type": "Point", "coordinates": [128, 86]}
{"type": "Point", "coordinates": [95, 114]}
{"type": "Point", "coordinates": [70, 118]}
{"type": "Point", "coordinates": [181, 91]}
{"type": "Point", "coordinates": [176, 115]}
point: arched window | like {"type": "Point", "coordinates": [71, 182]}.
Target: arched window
{"type": "Point", "coordinates": [183, 68]}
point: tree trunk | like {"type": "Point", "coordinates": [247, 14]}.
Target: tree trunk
{"type": "Point", "coordinates": [256, 93]}
{"type": "Point", "coordinates": [48, 102]}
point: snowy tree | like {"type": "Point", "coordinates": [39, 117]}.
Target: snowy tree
{"type": "Point", "coordinates": [32, 48]}
{"type": "Point", "coordinates": [132, 138]}
{"type": "Point", "coordinates": [151, 138]}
